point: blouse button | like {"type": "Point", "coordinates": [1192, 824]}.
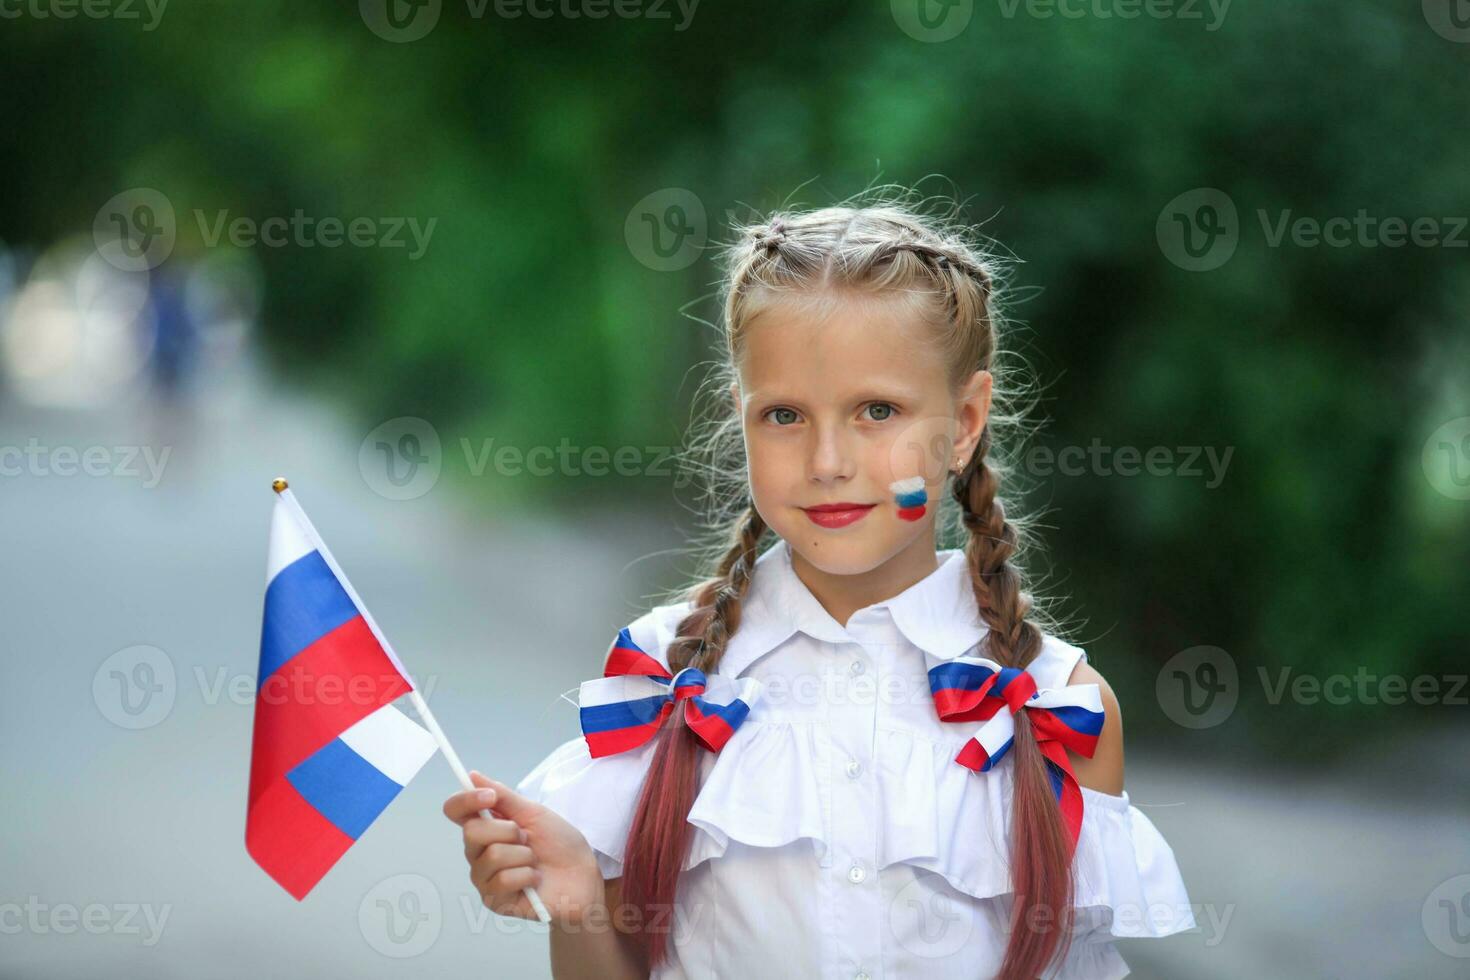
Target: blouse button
{"type": "Point", "coordinates": [857, 667]}
{"type": "Point", "coordinates": [853, 768]}
{"type": "Point", "coordinates": [862, 976]}
{"type": "Point", "coordinates": [856, 874]}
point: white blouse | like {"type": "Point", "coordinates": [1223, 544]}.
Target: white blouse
{"type": "Point", "coordinates": [836, 836]}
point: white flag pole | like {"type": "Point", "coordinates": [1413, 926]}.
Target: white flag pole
{"type": "Point", "coordinates": [283, 491]}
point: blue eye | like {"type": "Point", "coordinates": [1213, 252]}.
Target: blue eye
{"type": "Point", "coordinates": [789, 413]}
{"type": "Point", "coordinates": [886, 408]}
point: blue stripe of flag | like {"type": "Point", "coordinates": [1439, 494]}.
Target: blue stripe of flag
{"type": "Point", "coordinates": [343, 787]}
{"type": "Point", "coordinates": [303, 603]}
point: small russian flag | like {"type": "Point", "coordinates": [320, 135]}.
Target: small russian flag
{"type": "Point", "coordinates": [330, 751]}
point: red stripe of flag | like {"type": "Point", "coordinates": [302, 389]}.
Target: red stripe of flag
{"type": "Point", "coordinates": [317, 695]}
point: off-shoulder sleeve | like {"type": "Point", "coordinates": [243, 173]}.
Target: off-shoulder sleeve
{"type": "Point", "coordinates": [1127, 882]}
{"type": "Point", "coordinates": [1125, 865]}
{"type": "Point", "coordinates": [1128, 886]}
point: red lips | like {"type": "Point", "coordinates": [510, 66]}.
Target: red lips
{"type": "Point", "coordinates": [837, 515]}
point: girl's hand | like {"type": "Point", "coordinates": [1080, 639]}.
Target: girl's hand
{"type": "Point", "coordinates": [528, 844]}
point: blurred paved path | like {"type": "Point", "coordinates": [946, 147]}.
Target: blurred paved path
{"type": "Point", "coordinates": [1317, 880]}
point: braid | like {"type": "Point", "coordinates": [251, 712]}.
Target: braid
{"type": "Point", "coordinates": [942, 256]}
{"type": "Point", "coordinates": [1013, 640]}
{"type": "Point", "coordinates": [1038, 836]}
{"type": "Point", "coordinates": [703, 634]}
{"type": "Point", "coordinates": [659, 830]}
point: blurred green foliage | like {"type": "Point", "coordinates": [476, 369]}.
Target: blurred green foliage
{"type": "Point", "coordinates": [1323, 369]}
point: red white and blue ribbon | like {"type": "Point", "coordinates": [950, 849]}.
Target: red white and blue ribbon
{"type": "Point", "coordinates": [1070, 717]}
{"type": "Point", "coordinates": [626, 707]}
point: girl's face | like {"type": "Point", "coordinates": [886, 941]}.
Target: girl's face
{"type": "Point", "coordinates": [837, 411]}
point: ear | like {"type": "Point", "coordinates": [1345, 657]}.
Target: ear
{"type": "Point", "coordinates": [972, 411]}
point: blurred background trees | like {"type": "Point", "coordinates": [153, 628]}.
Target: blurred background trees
{"type": "Point", "coordinates": [1324, 370]}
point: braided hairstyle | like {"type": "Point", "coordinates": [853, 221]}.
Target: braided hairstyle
{"type": "Point", "coordinates": [887, 248]}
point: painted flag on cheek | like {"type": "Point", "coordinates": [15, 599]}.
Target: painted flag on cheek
{"type": "Point", "coordinates": [329, 750]}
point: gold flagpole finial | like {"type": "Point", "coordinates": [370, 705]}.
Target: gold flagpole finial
{"type": "Point", "coordinates": [278, 484]}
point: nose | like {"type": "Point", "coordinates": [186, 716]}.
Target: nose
{"type": "Point", "coordinates": [831, 459]}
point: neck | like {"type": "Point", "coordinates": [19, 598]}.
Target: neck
{"type": "Point", "coordinates": [843, 595]}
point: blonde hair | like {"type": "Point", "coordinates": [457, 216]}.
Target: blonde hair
{"type": "Point", "coordinates": [883, 247]}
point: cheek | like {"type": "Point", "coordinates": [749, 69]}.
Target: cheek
{"type": "Point", "coordinates": [769, 473]}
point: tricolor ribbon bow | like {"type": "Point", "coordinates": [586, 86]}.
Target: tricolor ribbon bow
{"type": "Point", "coordinates": [1070, 717]}
{"type": "Point", "coordinates": [625, 707]}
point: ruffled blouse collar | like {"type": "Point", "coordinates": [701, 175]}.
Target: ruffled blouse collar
{"type": "Point", "coordinates": [938, 613]}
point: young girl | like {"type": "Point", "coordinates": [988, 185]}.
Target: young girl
{"type": "Point", "coordinates": [844, 754]}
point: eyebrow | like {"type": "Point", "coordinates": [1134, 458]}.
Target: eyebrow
{"type": "Point", "coordinates": [879, 393]}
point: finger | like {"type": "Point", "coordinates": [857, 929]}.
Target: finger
{"type": "Point", "coordinates": [479, 832]}
{"type": "Point", "coordinates": [517, 905]}
{"type": "Point", "coordinates": [498, 857]}
{"type": "Point", "coordinates": [468, 803]}
{"type": "Point", "coordinates": [511, 804]}
{"type": "Point", "coordinates": [510, 881]}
